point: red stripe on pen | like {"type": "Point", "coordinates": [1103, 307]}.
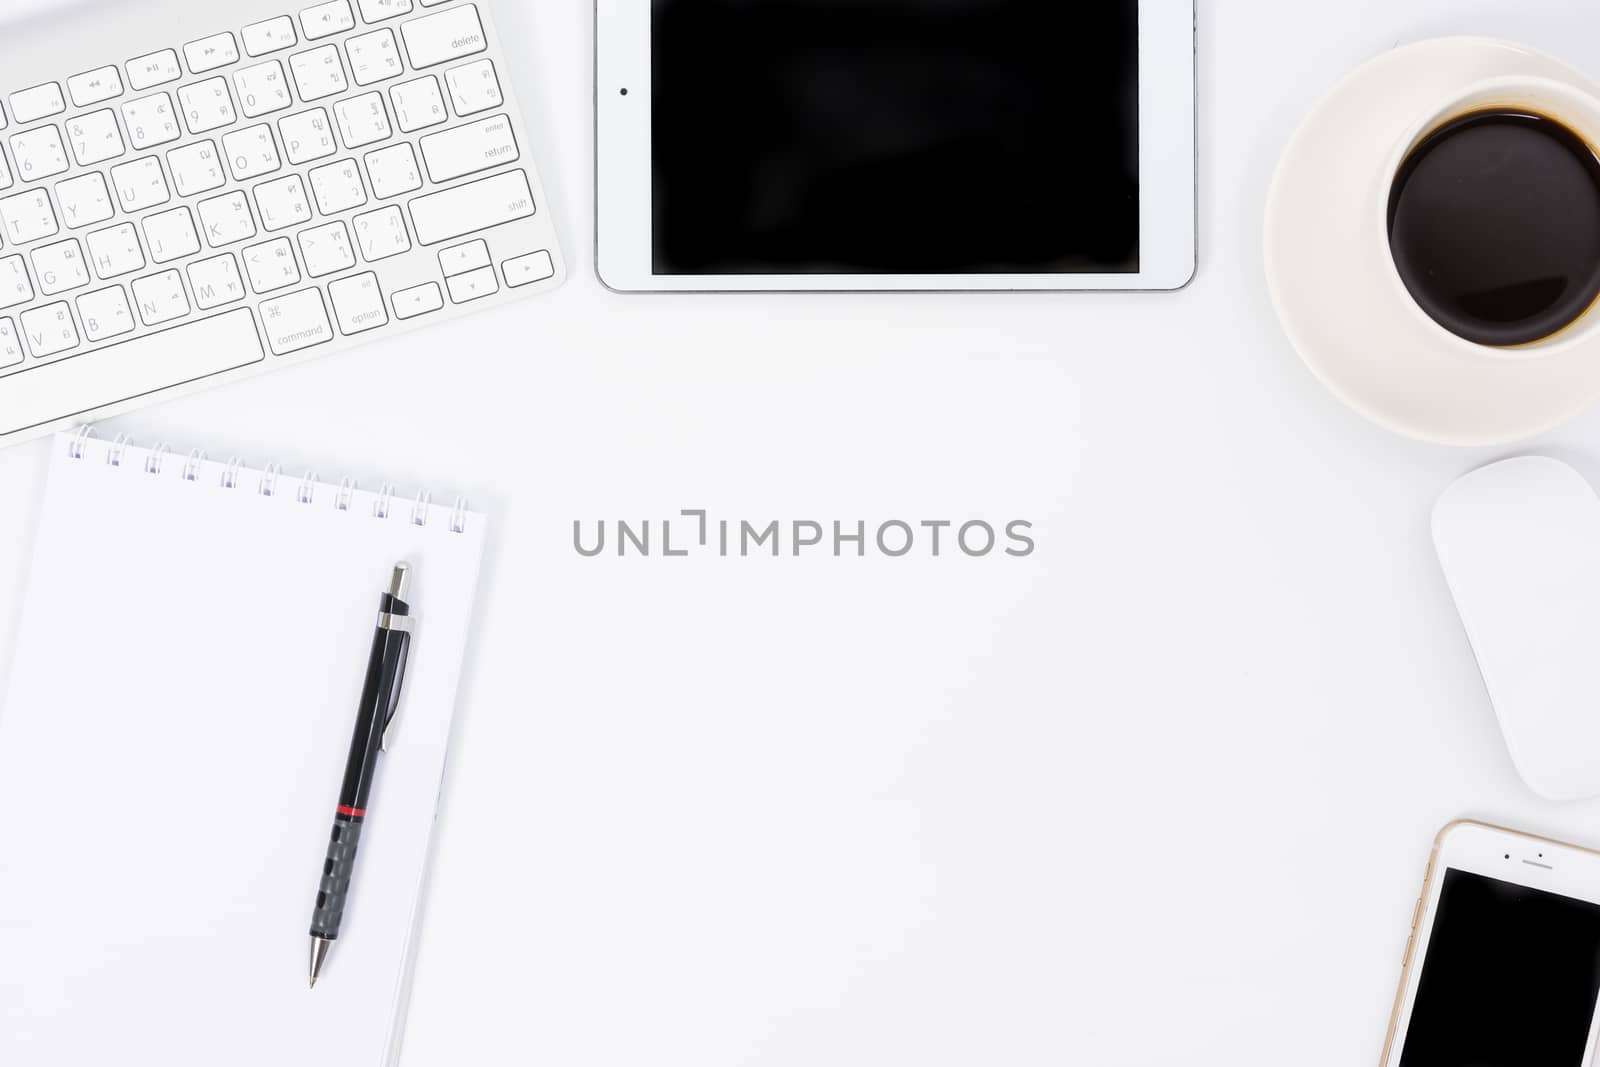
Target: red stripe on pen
{"type": "Point", "coordinates": [356, 813]}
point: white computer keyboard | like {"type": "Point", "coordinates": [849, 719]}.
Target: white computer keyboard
{"type": "Point", "coordinates": [197, 190]}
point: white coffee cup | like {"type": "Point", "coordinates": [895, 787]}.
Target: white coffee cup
{"type": "Point", "coordinates": [1575, 109]}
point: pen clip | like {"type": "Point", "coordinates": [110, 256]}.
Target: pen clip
{"type": "Point", "coordinates": [396, 618]}
{"type": "Point", "coordinates": [394, 690]}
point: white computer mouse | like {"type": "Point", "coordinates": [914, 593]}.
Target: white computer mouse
{"type": "Point", "coordinates": [1520, 545]}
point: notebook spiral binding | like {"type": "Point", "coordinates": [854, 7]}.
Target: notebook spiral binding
{"type": "Point", "coordinates": [305, 492]}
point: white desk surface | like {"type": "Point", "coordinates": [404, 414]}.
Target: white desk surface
{"type": "Point", "coordinates": [1161, 793]}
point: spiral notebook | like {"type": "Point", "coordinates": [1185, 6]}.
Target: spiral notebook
{"type": "Point", "coordinates": [176, 721]}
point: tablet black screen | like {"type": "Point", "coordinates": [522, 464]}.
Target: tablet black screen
{"type": "Point", "coordinates": [895, 136]}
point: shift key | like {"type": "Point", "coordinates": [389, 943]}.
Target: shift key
{"type": "Point", "coordinates": [472, 207]}
{"type": "Point", "coordinates": [466, 149]}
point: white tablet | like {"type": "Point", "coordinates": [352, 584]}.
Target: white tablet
{"type": "Point", "coordinates": [895, 144]}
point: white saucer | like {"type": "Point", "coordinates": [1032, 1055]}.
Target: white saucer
{"type": "Point", "coordinates": [1355, 332]}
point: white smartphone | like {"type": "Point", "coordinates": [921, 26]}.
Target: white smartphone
{"type": "Point", "coordinates": [1503, 966]}
{"type": "Point", "coordinates": [894, 144]}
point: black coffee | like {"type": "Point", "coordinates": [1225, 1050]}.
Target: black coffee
{"type": "Point", "coordinates": [1494, 223]}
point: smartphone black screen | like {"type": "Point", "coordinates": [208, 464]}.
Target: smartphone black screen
{"type": "Point", "coordinates": [895, 136]}
{"type": "Point", "coordinates": [1510, 980]}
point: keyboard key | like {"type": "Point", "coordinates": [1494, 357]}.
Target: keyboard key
{"type": "Point", "coordinates": [270, 266]}
{"type": "Point", "coordinates": [196, 168]}
{"type": "Point", "coordinates": [358, 303]}
{"type": "Point", "coordinates": [261, 88]}
{"type": "Point", "coordinates": [160, 297]}
{"type": "Point", "coordinates": [325, 19]}
{"type": "Point", "coordinates": [85, 200]}
{"type": "Point", "coordinates": [170, 235]}
{"type": "Point", "coordinates": [393, 171]}
{"type": "Point", "coordinates": [10, 345]}
{"type": "Point", "coordinates": [130, 368]}
{"type": "Point", "coordinates": [207, 105]}
{"type": "Point", "coordinates": [296, 321]}
{"type": "Point", "coordinates": [95, 137]}
{"type": "Point", "coordinates": [14, 285]}
{"type": "Point", "coordinates": [471, 147]}
{"type": "Point", "coordinates": [525, 270]}
{"type": "Point", "coordinates": [282, 202]}
{"type": "Point", "coordinates": [212, 52]}
{"type": "Point", "coordinates": [418, 104]}
{"type": "Point", "coordinates": [6, 181]}
{"type": "Point", "coordinates": [417, 300]}
{"type": "Point", "coordinates": [374, 57]}
{"type": "Point", "coordinates": [36, 103]}
{"type": "Point", "coordinates": [378, 10]}
{"type": "Point", "coordinates": [153, 69]}
{"type": "Point", "coordinates": [150, 120]}
{"type": "Point", "coordinates": [269, 36]}
{"type": "Point", "coordinates": [473, 87]}
{"type": "Point", "coordinates": [27, 217]}
{"type": "Point", "coordinates": [250, 152]}
{"type": "Point", "coordinates": [59, 267]}
{"type": "Point", "coordinates": [39, 153]}
{"type": "Point", "coordinates": [362, 120]}
{"type": "Point", "coordinates": [226, 219]}
{"type": "Point", "coordinates": [473, 285]}
{"type": "Point", "coordinates": [115, 250]}
{"type": "Point", "coordinates": [381, 234]}
{"type": "Point", "coordinates": [139, 184]}
{"type": "Point", "coordinates": [48, 331]}
{"type": "Point", "coordinates": [440, 38]}
{"type": "Point", "coordinates": [318, 72]}
{"type": "Point", "coordinates": [307, 136]}
{"type": "Point", "coordinates": [215, 281]}
{"type": "Point", "coordinates": [337, 187]}
{"type": "Point", "coordinates": [326, 249]}
{"type": "Point", "coordinates": [94, 86]}
{"type": "Point", "coordinates": [105, 313]}
{"type": "Point", "coordinates": [459, 259]}
{"type": "Point", "coordinates": [471, 207]}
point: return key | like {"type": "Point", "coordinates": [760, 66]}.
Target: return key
{"type": "Point", "coordinates": [470, 148]}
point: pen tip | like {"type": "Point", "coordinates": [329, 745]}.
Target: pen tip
{"type": "Point", "coordinates": [319, 952]}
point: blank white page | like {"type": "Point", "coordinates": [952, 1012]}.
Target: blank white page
{"type": "Point", "coordinates": [172, 744]}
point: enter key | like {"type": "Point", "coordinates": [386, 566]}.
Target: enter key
{"type": "Point", "coordinates": [470, 148]}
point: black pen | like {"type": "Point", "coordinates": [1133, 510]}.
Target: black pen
{"type": "Point", "coordinates": [386, 668]}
